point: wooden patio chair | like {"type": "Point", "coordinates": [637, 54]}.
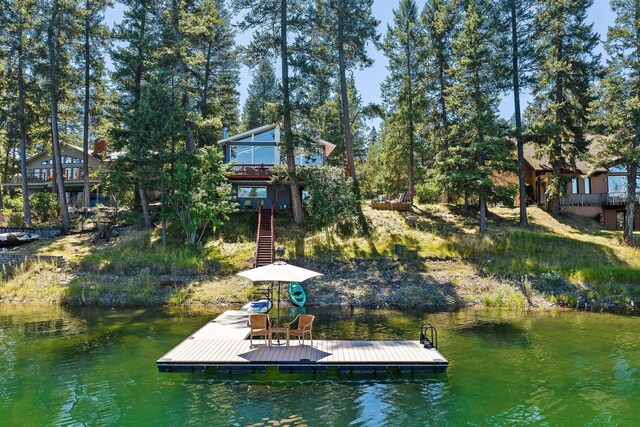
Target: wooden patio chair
{"type": "Point", "coordinates": [304, 325]}
{"type": "Point", "coordinates": [260, 327]}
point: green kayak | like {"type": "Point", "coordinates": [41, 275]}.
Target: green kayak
{"type": "Point", "coordinates": [298, 297]}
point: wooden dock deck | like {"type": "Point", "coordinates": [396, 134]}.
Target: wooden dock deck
{"type": "Point", "coordinates": [222, 344]}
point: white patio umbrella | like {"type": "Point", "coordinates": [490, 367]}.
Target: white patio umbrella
{"type": "Point", "coordinates": [279, 271]}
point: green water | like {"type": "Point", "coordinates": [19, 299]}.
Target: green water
{"type": "Point", "coordinates": [97, 367]}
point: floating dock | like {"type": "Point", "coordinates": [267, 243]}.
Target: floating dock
{"type": "Point", "coordinates": [223, 344]}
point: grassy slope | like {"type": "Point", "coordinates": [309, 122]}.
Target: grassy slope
{"type": "Point", "coordinates": [444, 262]}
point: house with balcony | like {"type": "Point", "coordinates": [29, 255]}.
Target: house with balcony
{"type": "Point", "coordinates": [253, 155]}
{"type": "Point", "coordinates": [40, 172]}
{"type": "Point", "coordinates": [593, 190]}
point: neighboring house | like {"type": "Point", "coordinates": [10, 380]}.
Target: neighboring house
{"type": "Point", "coordinates": [40, 172]}
{"type": "Point", "coordinates": [593, 191]}
{"type": "Point", "coordinates": [253, 155]}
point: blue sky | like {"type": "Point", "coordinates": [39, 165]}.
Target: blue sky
{"type": "Point", "coordinates": [368, 80]}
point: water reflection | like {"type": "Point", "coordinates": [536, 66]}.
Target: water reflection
{"type": "Point", "coordinates": [96, 367]}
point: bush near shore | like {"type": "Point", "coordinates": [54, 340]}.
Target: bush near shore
{"type": "Point", "coordinates": [570, 261]}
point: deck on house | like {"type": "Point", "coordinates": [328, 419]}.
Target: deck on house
{"type": "Point", "coordinates": [222, 343]}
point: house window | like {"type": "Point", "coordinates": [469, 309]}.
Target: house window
{"type": "Point", "coordinates": [305, 194]}
{"type": "Point", "coordinates": [264, 155]}
{"type": "Point", "coordinates": [250, 155]}
{"type": "Point", "coordinates": [621, 168]}
{"type": "Point", "coordinates": [574, 185]}
{"type": "Point", "coordinates": [309, 158]}
{"type": "Point", "coordinates": [617, 184]}
{"type": "Point", "coordinates": [587, 186]}
{"type": "Point", "coordinates": [252, 192]}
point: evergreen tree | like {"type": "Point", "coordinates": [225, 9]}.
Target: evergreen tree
{"type": "Point", "coordinates": [264, 92]}
{"type": "Point", "coordinates": [520, 14]}
{"type": "Point", "coordinates": [272, 22]}
{"type": "Point", "coordinates": [96, 38]}
{"type": "Point", "coordinates": [18, 20]}
{"type": "Point", "coordinates": [348, 26]}
{"type": "Point", "coordinates": [616, 108]}
{"type": "Point", "coordinates": [478, 147]}
{"type": "Point", "coordinates": [565, 67]}
{"type": "Point", "coordinates": [62, 31]}
{"type": "Point", "coordinates": [134, 60]}
{"type": "Point", "coordinates": [218, 77]}
{"type": "Point", "coordinates": [402, 45]}
{"type": "Point", "coordinates": [439, 18]}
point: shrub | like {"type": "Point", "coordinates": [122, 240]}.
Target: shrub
{"type": "Point", "coordinates": [427, 192]}
{"type": "Point", "coordinates": [44, 206]}
{"type": "Point", "coordinates": [331, 202]}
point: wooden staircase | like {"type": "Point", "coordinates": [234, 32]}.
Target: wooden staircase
{"type": "Point", "coordinates": [265, 247]}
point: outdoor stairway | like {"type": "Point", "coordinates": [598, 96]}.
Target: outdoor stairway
{"type": "Point", "coordinates": [265, 248]}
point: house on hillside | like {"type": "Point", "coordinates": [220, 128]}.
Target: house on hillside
{"type": "Point", "coordinates": [40, 172]}
{"type": "Point", "coordinates": [254, 154]}
{"type": "Point", "coordinates": [593, 190]}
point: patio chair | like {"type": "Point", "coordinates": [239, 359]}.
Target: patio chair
{"type": "Point", "coordinates": [260, 327]}
{"type": "Point", "coordinates": [304, 325]}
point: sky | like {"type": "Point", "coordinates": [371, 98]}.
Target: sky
{"type": "Point", "coordinates": [368, 80]}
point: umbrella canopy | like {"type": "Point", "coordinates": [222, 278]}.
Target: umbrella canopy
{"type": "Point", "coordinates": [279, 271]}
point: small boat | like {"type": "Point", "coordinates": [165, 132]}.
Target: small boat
{"type": "Point", "coordinates": [15, 239]}
{"type": "Point", "coordinates": [260, 306]}
{"type": "Point", "coordinates": [298, 297]}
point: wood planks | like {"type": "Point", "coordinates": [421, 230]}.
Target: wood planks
{"type": "Point", "coordinates": [222, 342]}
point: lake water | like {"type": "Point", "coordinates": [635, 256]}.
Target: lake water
{"type": "Point", "coordinates": [97, 367]}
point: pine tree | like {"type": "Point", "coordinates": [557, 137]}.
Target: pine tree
{"type": "Point", "coordinates": [518, 18]}
{"type": "Point", "coordinates": [134, 62]}
{"type": "Point", "coordinates": [218, 76]}
{"type": "Point", "coordinates": [264, 92]}
{"type": "Point", "coordinates": [348, 26]}
{"type": "Point", "coordinates": [439, 18]}
{"type": "Point", "coordinates": [478, 147]}
{"type": "Point", "coordinates": [565, 66]}
{"type": "Point", "coordinates": [272, 23]}
{"type": "Point", "coordinates": [402, 45]}
{"type": "Point", "coordinates": [96, 38]}
{"type": "Point", "coordinates": [18, 21]}
{"type": "Point", "coordinates": [616, 108]}
{"type": "Point", "coordinates": [62, 30]}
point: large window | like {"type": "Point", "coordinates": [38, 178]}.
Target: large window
{"type": "Point", "coordinates": [312, 157]}
{"type": "Point", "coordinates": [621, 168]}
{"type": "Point", "coordinates": [617, 184]}
{"type": "Point", "coordinates": [587, 186]}
{"type": "Point", "coordinates": [252, 192]}
{"type": "Point", "coordinates": [253, 155]}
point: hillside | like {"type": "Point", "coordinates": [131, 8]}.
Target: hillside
{"type": "Point", "coordinates": [567, 261]}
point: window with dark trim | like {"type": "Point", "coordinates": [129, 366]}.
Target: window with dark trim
{"type": "Point", "coordinates": [245, 192]}
{"type": "Point", "coordinates": [587, 186]}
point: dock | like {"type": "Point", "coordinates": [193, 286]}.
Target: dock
{"type": "Point", "coordinates": [223, 344]}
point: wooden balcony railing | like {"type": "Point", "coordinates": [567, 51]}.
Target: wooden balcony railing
{"type": "Point", "coordinates": [256, 171]}
{"type": "Point", "coordinates": [48, 177]}
{"type": "Point", "coordinates": [594, 199]}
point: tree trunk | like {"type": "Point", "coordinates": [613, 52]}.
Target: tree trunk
{"type": "Point", "coordinates": [516, 102]}
{"type": "Point", "coordinates": [411, 125]}
{"type": "Point", "coordinates": [296, 197]}
{"type": "Point", "coordinates": [348, 147]}
{"type": "Point", "coordinates": [182, 70]}
{"type": "Point", "coordinates": [55, 137]}
{"type": "Point", "coordinates": [630, 204]}
{"type": "Point", "coordinates": [85, 137]}
{"type": "Point", "coordinates": [23, 135]}
{"type": "Point", "coordinates": [144, 201]}
{"type": "Point", "coordinates": [483, 214]}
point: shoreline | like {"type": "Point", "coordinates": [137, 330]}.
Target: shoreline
{"type": "Point", "coordinates": [368, 283]}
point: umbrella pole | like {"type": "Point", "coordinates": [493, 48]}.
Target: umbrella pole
{"type": "Point", "coordinates": [278, 303]}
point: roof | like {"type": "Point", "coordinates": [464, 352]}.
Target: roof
{"type": "Point", "coordinates": [247, 133]}
{"type": "Point", "coordinates": [40, 153]}
{"type": "Point", "coordinates": [588, 164]}
{"type": "Point", "coordinates": [328, 146]}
